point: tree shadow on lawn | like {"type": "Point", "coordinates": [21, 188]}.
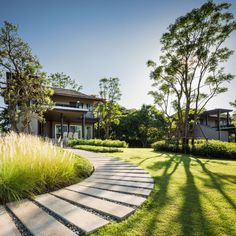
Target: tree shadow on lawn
{"type": "Point", "coordinates": [190, 216]}
{"type": "Point", "coordinates": [217, 182]}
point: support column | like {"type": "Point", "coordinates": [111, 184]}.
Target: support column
{"type": "Point", "coordinates": [98, 132]}
{"type": "Point", "coordinates": [218, 123]}
{"type": "Point", "coordinates": [61, 126]}
{"type": "Point", "coordinates": [68, 128]}
{"type": "Point", "coordinates": [227, 118]}
{"type": "Point", "coordinates": [83, 126]}
{"type": "Point", "coordinates": [50, 129]}
{"type": "Point", "coordinates": [93, 132]}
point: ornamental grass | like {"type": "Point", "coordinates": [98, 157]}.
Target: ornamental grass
{"type": "Point", "coordinates": [29, 166]}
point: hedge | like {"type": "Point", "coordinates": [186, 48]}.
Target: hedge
{"type": "Point", "coordinates": [97, 148]}
{"type": "Point", "coordinates": [98, 142]}
{"type": "Point", "coordinates": [212, 148]}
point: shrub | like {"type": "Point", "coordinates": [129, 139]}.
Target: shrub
{"type": "Point", "coordinates": [217, 149]}
{"type": "Point", "coordinates": [212, 148]}
{"type": "Point", "coordinates": [97, 148]}
{"type": "Point", "coordinates": [29, 166]}
{"type": "Point", "coordinates": [98, 142]}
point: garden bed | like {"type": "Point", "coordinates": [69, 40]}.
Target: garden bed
{"type": "Point", "coordinates": [97, 148]}
{"type": "Point", "coordinates": [30, 166]}
{"type": "Point", "coordinates": [210, 149]}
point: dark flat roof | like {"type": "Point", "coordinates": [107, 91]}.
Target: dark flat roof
{"type": "Point", "coordinates": [216, 110]}
{"type": "Point", "coordinates": [74, 93]}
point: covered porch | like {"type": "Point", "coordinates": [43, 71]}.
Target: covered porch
{"type": "Point", "coordinates": [64, 124]}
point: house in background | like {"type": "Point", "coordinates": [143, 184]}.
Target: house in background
{"type": "Point", "coordinates": [215, 124]}
{"type": "Point", "coordinates": [71, 117]}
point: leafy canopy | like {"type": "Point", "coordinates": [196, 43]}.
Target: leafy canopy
{"type": "Point", "coordinates": [190, 71]}
{"type": "Point", "coordinates": [109, 110]}
{"type": "Point", "coordinates": [61, 80]}
{"type": "Point", "coordinates": [23, 84]}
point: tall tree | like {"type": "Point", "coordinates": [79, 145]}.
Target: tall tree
{"type": "Point", "coordinates": [23, 85]}
{"type": "Point", "coordinates": [191, 62]}
{"type": "Point", "coordinates": [61, 80]}
{"type": "Point", "coordinates": [109, 110]}
{"type": "Point", "coordinates": [140, 127]}
{"type": "Point", "coordinates": [233, 104]}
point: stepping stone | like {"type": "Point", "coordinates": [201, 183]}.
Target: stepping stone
{"type": "Point", "coordinates": [7, 226]}
{"type": "Point", "coordinates": [119, 182]}
{"type": "Point", "coordinates": [37, 221]}
{"type": "Point", "coordinates": [122, 189]}
{"type": "Point", "coordinates": [119, 168]}
{"type": "Point", "coordinates": [119, 165]}
{"type": "Point", "coordinates": [84, 220]}
{"type": "Point", "coordinates": [122, 174]}
{"type": "Point", "coordinates": [124, 178]}
{"type": "Point", "coordinates": [98, 170]}
{"type": "Point", "coordinates": [116, 210]}
{"type": "Point", "coordinates": [114, 196]}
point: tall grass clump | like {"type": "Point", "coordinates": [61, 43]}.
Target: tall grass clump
{"type": "Point", "coordinates": [29, 166]}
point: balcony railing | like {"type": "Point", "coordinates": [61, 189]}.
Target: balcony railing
{"type": "Point", "coordinates": [68, 107]}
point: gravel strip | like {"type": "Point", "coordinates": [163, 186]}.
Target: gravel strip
{"type": "Point", "coordinates": [19, 225]}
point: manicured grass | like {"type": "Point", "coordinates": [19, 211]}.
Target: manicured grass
{"type": "Point", "coordinates": [97, 148]}
{"type": "Point", "coordinates": [30, 166]}
{"type": "Point", "coordinates": [192, 196]}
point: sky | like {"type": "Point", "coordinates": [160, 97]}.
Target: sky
{"type": "Point", "coordinates": [93, 39]}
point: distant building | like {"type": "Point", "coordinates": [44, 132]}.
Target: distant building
{"type": "Point", "coordinates": [215, 124]}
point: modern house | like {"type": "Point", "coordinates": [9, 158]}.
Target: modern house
{"type": "Point", "coordinates": [71, 117]}
{"type": "Point", "coordinates": [215, 124]}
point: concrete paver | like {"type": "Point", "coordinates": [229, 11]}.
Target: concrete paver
{"type": "Point", "coordinates": [7, 226]}
{"type": "Point", "coordinates": [37, 221]}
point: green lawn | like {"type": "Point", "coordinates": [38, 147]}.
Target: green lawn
{"type": "Point", "coordinates": [192, 196]}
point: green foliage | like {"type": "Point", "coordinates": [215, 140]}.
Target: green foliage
{"type": "Point", "coordinates": [109, 111]}
{"type": "Point", "coordinates": [25, 89]}
{"type": "Point", "coordinates": [190, 71]}
{"type": "Point", "coordinates": [98, 142]}
{"type": "Point", "coordinates": [211, 149]}
{"type": "Point", "coordinates": [233, 104]}
{"type": "Point", "coordinates": [61, 80]}
{"type": "Point", "coordinates": [4, 120]}
{"type": "Point", "coordinates": [140, 127]}
{"type": "Point", "coordinates": [97, 148]}
{"type": "Point", "coordinates": [30, 166]}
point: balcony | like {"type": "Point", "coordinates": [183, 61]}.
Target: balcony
{"type": "Point", "coordinates": [69, 107]}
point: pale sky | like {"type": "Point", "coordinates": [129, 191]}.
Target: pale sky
{"type": "Point", "coordinates": [92, 39]}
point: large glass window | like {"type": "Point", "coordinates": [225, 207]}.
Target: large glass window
{"type": "Point", "coordinates": [58, 131]}
{"type": "Point", "coordinates": [75, 131]}
{"type": "Point", "coordinates": [89, 132]}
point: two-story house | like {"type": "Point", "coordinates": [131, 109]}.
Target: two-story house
{"type": "Point", "coordinates": [71, 116]}
{"type": "Point", "coordinates": [215, 124]}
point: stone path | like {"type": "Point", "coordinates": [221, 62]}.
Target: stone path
{"type": "Point", "coordinates": [111, 193]}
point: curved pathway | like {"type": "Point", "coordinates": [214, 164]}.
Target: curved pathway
{"type": "Point", "coordinates": [114, 190]}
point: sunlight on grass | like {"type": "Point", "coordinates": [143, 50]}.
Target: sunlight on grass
{"type": "Point", "coordinates": [29, 166]}
{"type": "Point", "coordinates": [192, 196]}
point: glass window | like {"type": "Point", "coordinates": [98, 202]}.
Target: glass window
{"type": "Point", "coordinates": [58, 130]}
